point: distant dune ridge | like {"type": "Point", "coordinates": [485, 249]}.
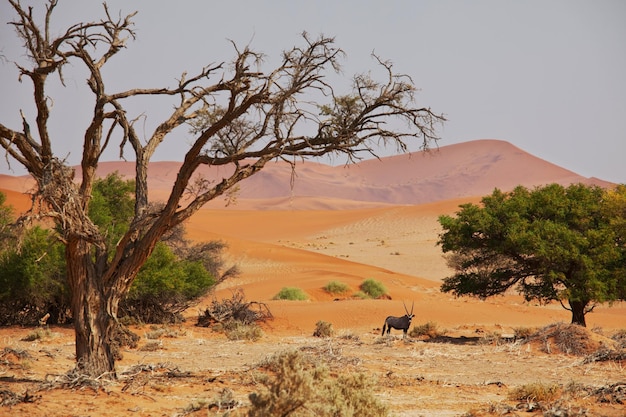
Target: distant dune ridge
{"type": "Point", "coordinates": [466, 169]}
{"type": "Point", "coordinates": [375, 219]}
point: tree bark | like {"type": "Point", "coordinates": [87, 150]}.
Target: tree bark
{"type": "Point", "coordinates": [94, 313]}
{"type": "Point", "coordinates": [578, 309]}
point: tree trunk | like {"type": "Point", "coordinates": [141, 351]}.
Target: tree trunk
{"type": "Point", "coordinates": [578, 309]}
{"type": "Point", "coordinates": [93, 311]}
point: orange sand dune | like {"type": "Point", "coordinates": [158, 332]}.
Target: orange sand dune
{"type": "Point", "coordinates": [461, 170]}
{"type": "Point", "coordinates": [376, 219]}
{"type": "Point", "coordinates": [394, 245]}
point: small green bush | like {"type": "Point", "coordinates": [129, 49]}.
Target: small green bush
{"type": "Point", "coordinates": [373, 288]}
{"type": "Point", "coordinates": [336, 287]}
{"type": "Point", "coordinates": [291, 293]}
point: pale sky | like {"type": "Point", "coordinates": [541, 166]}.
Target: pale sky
{"type": "Point", "coordinates": [547, 76]}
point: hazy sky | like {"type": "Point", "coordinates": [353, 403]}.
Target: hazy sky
{"type": "Point", "coordinates": [547, 76]}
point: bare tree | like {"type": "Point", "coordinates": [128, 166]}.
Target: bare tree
{"type": "Point", "coordinates": [239, 116]}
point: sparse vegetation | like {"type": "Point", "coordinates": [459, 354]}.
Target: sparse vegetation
{"type": "Point", "coordinates": [152, 346]}
{"type": "Point", "coordinates": [291, 293]}
{"type": "Point", "coordinates": [536, 391]}
{"type": "Point", "coordinates": [298, 387]}
{"type": "Point", "coordinates": [571, 339]}
{"type": "Point", "coordinates": [236, 330]}
{"type": "Point", "coordinates": [523, 332]}
{"type": "Point", "coordinates": [373, 288]}
{"type": "Point", "coordinates": [323, 329]}
{"type": "Point", "coordinates": [236, 308]}
{"type": "Point", "coordinates": [429, 329]}
{"type": "Point", "coordinates": [156, 332]}
{"type": "Point", "coordinates": [336, 287]}
{"type": "Point", "coordinates": [620, 338]}
{"type": "Point", "coordinates": [38, 334]}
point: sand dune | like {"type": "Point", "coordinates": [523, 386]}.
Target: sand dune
{"type": "Point", "coordinates": [461, 170]}
{"type": "Point", "coordinates": [375, 219]}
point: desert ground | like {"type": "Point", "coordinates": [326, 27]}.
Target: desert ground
{"type": "Point", "coordinates": [470, 367]}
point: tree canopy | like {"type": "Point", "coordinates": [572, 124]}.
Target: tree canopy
{"type": "Point", "coordinates": [238, 115]}
{"type": "Point", "coordinates": [552, 243]}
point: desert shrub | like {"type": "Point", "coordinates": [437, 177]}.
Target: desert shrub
{"type": "Point", "coordinates": [620, 338]}
{"type": "Point", "coordinates": [37, 334]}
{"type": "Point", "coordinates": [536, 391]}
{"type": "Point", "coordinates": [33, 272]}
{"type": "Point", "coordinates": [32, 278]}
{"type": "Point", "coordinates": [373, 288]}
{"type": "Point", "coordinates": [490, 338]}
{"type": "Point", "coordinates": [299, 387]}
{"type": "Point", "coordinates": [336, 287]}
{"type": "Point", "coordinates": [236, 330]}
{"type": "Point", "coordinates": [236, 308]}
{"type": "Point", "coordinates": [291, 293]}
{"type": "Point", "coordinates": [348, 335]}
{"type": "Point", "coordinates": [152, 346]}
{"type": "Point", "coordinates": [156, 332]}
{"type": "Point", "coordinates": [523, 332]}
{"type": "Point", "coordinates": [427, 329]}
{"type": "Point", "coordinates": [323, 329]}
{"type": "Point", "coordinates": [361, 295]}
{"type": "Point", "coordinates": [571, 339]}
{"type": "Point", "coordinates": [165, 287]}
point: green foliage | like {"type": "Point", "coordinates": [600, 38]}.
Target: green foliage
{"type": "Point", "coordinates": [165, 286]}
{"type": "Point", "coordinates": [361, 295]}
{"type": "Point", "coordinates": [33, 273]}
{"type": "Point", "coordinates": [336, 287]}
{"type": "Point", "coordinates": [551, 243]}
{"type": "Point", "coordinates": [291, 293]}
{"type": "Point", "coordinates": [32, 279]}
{"type": "Point", "coordinates": [6, 218]}
{"type": "Point", "coordinates": [112, 206]}
{"type": "Point", "coordinates": [373, 288]}
{"type": "Point", "coordinates": [301, 388]}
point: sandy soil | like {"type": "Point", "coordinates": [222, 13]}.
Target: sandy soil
{"type": "Point", "coordinates": [465, 370]}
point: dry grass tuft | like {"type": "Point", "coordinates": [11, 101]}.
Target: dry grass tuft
{"type": "Point", "coordinates": [298, 387]}
{"type": "Point", "coordinates": [536, 391]}
{"type": "Point", "coordinates": [429, 329]}
{"type": "Point", "coordinates": [323, 329]}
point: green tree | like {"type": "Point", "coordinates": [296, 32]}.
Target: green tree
{"type": "Point", "coordinates": [248, 117]}
{"type": "Point", "coordinates": [32, 279]}
{"type": "Point", "coordinates": [6, 219]}
{"type": "Point", "coordinates": [112, 206]}
{"type": "Point", "coordinates": [166, 286]}
{"type": "Point", "coordinates": [176, 273]}
{"type": "Point", "coordinates": [551, 243]}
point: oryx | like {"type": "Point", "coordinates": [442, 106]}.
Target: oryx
{"type": "Point", "coordinates": [399, 323]}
